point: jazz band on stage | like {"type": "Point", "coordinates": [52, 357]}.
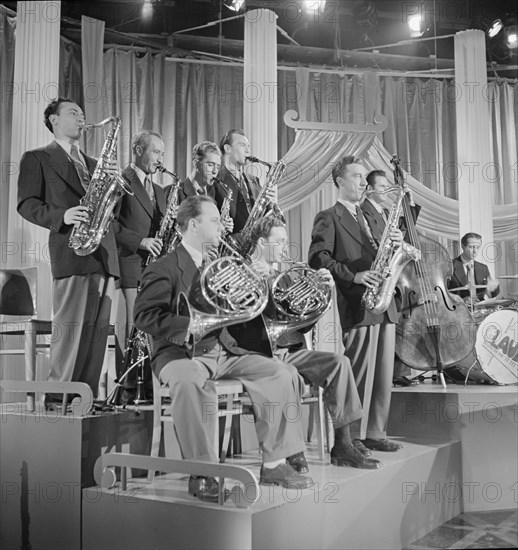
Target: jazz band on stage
{"type": "Point", "coordinates": [215, 243]}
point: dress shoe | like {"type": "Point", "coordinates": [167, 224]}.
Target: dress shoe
{"type": "Point", "coordinates": [404, 382]}
{"type": "Point", "coordinates": [299, 463]}
{"type": "Point", "coordinates": [349, 455]}
{"type": "Point", "coordinates": [206, 489]}
{"type": "Point", "coordinates": [384, 445]}
{"type": "Point", "coordinates": [285, 476]}
{"type": "Point", "coordinates": [359, 446]}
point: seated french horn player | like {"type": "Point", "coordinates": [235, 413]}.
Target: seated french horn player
{"type": "Point", "coordinates": [298, 298]}
{"type": "Point", "coordinates": [188, 354]}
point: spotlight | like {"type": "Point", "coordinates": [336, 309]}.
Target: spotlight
{"type": "Point", "coordinates": [416, 25]}
{"type": "Point", "coordinates": [511, 36]}
{"type": "Point", "coordinates": [147, 9]}
{"type": "Point", "coordinates": [314, 6]}
{"type": "Point", "coordinates": [234, 5]}
{"type": "Point", "coordinates": [495, 28]}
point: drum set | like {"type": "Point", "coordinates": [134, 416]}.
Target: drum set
{"type": "Point", "coordinates": [494, 359]}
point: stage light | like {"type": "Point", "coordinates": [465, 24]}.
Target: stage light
{"type": "Point", "coordinates": [416, 25]}
{"type": "Point", "coordinates": [495, 28]}
{"type": "Point", "coordinates": [314, 6]}
{"type": "Point", "coordinates": [147, 9]}
{"type": "Point", "coordinates": [512, 34]}
{"type": "Point", "coordinates": [234, 5]}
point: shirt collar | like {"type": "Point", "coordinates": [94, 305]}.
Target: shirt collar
{"type": "Point", "coordinates": [196, 255]}
{"type": "Point", "coordinates": [351, 206]}
{"type": "Point", "coordinates": [67, 146]}
{"type": "Point", "coordinates": [141, 174]}
{"type": "Point", "coordinates": [376, 205]}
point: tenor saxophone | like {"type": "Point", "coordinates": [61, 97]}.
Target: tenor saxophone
{"type": "Point", "coordinates": [390, 260]}
{"type": "Point", "coordinates": [103, 193]}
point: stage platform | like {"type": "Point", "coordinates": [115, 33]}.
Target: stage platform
{"type": "Point", "coordinates": [347, 508]}
{"type": "Point", "coordinates": [459, 455]}
{"type": "Point", "coordinates": [484, 418]}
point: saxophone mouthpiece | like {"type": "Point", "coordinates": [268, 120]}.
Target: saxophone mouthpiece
{"type": "Point", "coordinates": [161, 168]}
{"type": "Point", "coordinates": [258, 161]}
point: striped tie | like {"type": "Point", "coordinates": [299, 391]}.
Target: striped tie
{"type": "Point", "coordinates": [82, 172]}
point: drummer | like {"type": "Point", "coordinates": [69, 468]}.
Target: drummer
{"type": "Point", "coordinates": [472, 275]}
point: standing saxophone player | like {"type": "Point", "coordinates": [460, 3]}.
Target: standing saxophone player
{"type": "Point", "coordinates": [343, 242]}
{"type": "Point", "coordinates": [138, 220]}
{"type": "Point", "coordinates": [51, 182]}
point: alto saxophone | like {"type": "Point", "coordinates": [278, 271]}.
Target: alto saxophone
{"type": "Point", "coordinates": [167, 230]}
{"type": "Point", "coordinates": [225, 205]}
{"type": "Point", "coordinates": [101, 197]}
{"type": "Point", "coordinates": [390, 260]}
{"type": "Point", "coordinates": [262, 207]}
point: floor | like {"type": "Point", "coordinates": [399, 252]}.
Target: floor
{"type": "Point", "coordinates": [492, 529]}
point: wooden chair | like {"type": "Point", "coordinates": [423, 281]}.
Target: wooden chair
{"type": "Point", "coordinates": [228, 392]}
{"type": "Point", "coordinates": [18, 300]}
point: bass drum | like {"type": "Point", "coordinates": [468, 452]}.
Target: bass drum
{"type": "Point", "coordinates": [495, 357]}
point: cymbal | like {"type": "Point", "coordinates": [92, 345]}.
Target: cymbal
{"type": "Point", "coordinates": [508, 277]}
{"type": "Point", "coordinates": [460, 288]}
{"type": "Point", "coordinates": [493, 302]}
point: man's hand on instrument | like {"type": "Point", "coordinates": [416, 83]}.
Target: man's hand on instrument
{"type": "Point", "coordinates": [228, 224]}
{"type": "Point", "coordinates": [262, 268]}
{"type": "Point", "coordinates": [408, 191]}
{"type": "Point", "coordinates": [111, 167]}
{"type": "Point", "coordinates": [151, 244]}
{"type": "Point", "coordinates": [396, 236]}
{"type": "Point", "coordinates": [76, 215]}
{"type": "Point", "coordinates": [271, 194]}
{"type": "Point", "coordinates": [325, 276]}
{"type": "Point", "coordinates": [367, 278]}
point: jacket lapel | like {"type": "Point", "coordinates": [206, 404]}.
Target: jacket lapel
{"type": "Point", "coordinates": [63, 166]}
{"type": "Point", "coordinates": [139, 190]}
{"type": "Point", "coordinates": [348, 222]}
{"type": "Point", "coordinates": [186, 266]}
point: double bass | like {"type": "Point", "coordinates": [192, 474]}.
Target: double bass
{"type": "Point", "coordinates": [435, 328]}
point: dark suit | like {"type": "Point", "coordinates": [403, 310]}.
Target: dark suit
{"type": "Point", "coordinates": [339, 245]}
{"type": "Point", "coordinates": [239, 211]}
{"type": "Point", "coordinates": [459, 278]}
{"type": "Point", "coordinates": [377, 223]}
{"type": "Point", "coordinates": [331, 371]}
{"type": "Point", "coordinates": [193, 396]}
{"type": "Point", "coordinates": [137, 218]}
{"type": "Point", "coordinates": [187, 189]}
{"type": "Point", "coordinates": [48, 185]}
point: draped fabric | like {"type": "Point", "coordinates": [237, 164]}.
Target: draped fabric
{"type": "Point", "coordinates": [92, 40]}
{"type": "Point", "coordinates": [188, 102]}
{"type": "Point", "coordinates": [7, 28]}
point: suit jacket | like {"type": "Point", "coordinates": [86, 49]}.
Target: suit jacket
{"type": "Point", "coordinates": [338, 245]}
{"type": "Point", "coordinates": [238, 208]}
{"type": "Point", "coordinates": [377, 223]}
{"type": "Point", "coordinates": [48, 185]}
{"type": "Point", "coordinates": [460, 278]}
{"type": "Point", "coordinates": [187, 189]}
{"type": "Point", "coordinates": [155, 310]}
{"type": "Point", "coordinates": [137, 218]}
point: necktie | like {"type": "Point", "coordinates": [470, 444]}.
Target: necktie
{"type": "Point", "coordinates": [471, 280]}
{"type": "Point", "coordinates": [82, 171]}
{"type": "Point", "coordinates": [364, 226]}
{"type": "Point", "coordinates": [243, 187]}
{"type": "Point", "coordinates": [149, 188]}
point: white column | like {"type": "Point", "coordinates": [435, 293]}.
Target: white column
{"type": "Point", "coordinates": [92, 41]}
{"type": "Point", "coordinates": [260, 83]}
{"type": "Point", "coordinates": [473, 136]}
{"type": "Point", "coordinates": [36, 77]}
